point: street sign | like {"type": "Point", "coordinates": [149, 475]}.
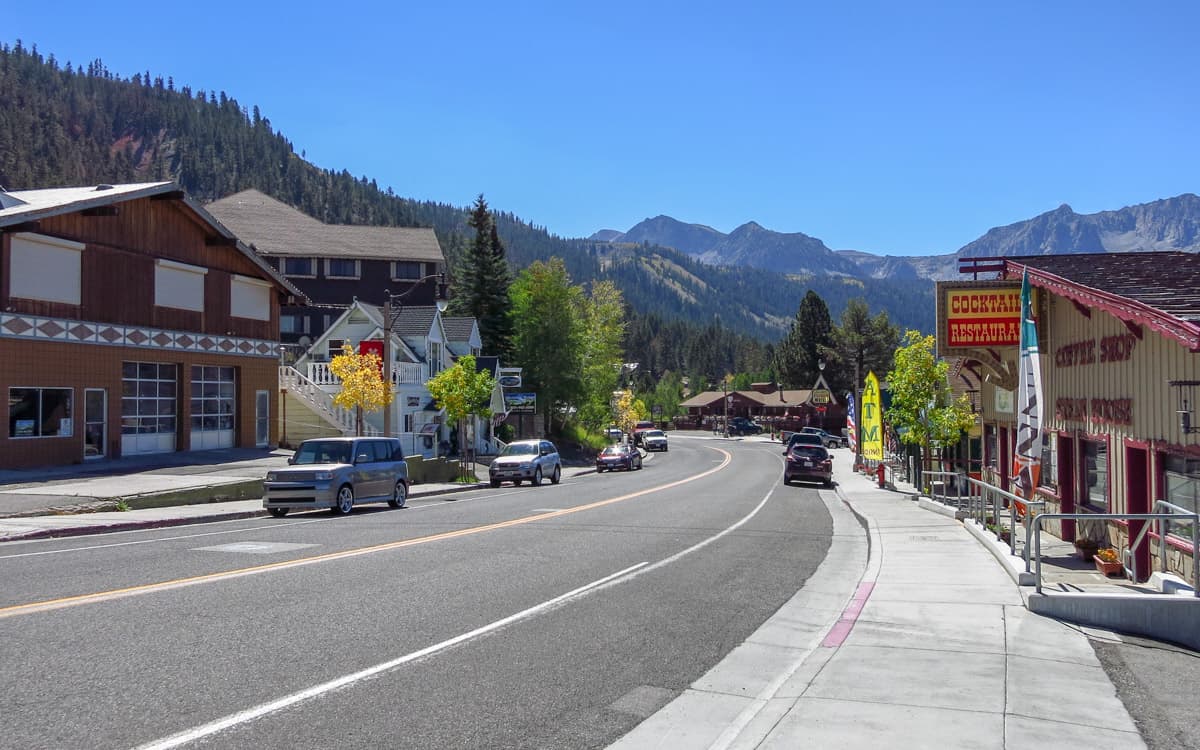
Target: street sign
{"type": "Point", "coordinates": [520, 403]}
{"type": "Point", "coordinates": [509, 377]}
{"type": "Point", "coordinates": [821, 396]}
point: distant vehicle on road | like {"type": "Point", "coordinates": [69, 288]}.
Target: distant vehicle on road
{"type": "Point", "coordinates": [639, 428]}
{"type": "Point", "coordinates": [744, 426]}
{"type": "Point", "coordinates": [654, 440]}
{"type": "Point", "coordinates": [338, 473]}
{"type": "Point", "coordinates": [811, 463]}
{"type": "Point", "coordinates": [802, 438]}
{"type": "Point", "coordinates": [828, 439]}
{"type": "Point", "coordinates": [526, 459]}
{"type": "Point", "coordinates": [618, 456]}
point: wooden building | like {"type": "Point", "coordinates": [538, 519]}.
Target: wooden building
{"type": "Point", "coordinates": [1115, 332]}
{"type": "Point", "coordinates": [131, 322]}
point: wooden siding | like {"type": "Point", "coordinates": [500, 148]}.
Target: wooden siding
{"type": "Point", "coordinates": [118, 270]}
{"type": "Point", "coordinates": [375, 280]}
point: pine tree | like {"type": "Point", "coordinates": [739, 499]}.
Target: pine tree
{"type": "Point", "coordinates": [481, 283]}
{"type": "Point", "coordinates": [807, 343]}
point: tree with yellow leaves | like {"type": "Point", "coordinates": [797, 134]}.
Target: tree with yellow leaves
{"type": "Point", "coordinates": [362, 383]}
{"type": "Point", "coordinates": [463, 391]}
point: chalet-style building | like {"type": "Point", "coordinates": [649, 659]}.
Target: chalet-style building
{"type": "Point", "coordinates": [1119, 340]}
{"type": "Point", "coordinates": [420, 349]}
{"type": "Point", "coordinates": [784, 409]}
{"type": "Point", "coordinates": [333, 264]}
{"type": "Point", "coordinates": [131, 321]}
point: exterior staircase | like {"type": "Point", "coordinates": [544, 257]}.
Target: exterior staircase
{"type": "Point", "coordinates": [308, 411]}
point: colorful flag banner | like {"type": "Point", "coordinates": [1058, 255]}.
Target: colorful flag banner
{"type": "Point", "coordinates": [872, 420]}
{"type": "Point", "coordinates": [1027, 458]}
{"type": "Point", "coordinates": [851, 427]}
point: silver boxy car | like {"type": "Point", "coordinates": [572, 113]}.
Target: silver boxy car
{"type": "Point", "coordinates": [338, 473]}
{"type": "Point", "coordinates": [526, 459]}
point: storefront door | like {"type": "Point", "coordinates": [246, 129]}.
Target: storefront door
{"type": "Point", "coordinates": [95, 422]}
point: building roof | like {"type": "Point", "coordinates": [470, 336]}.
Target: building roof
{"type": "Point", "coordinates": [275, 228]}
{"type": "Point", "coordinates": [789, 398]}
{"type": "Point", "coordinates": [414, 321]}
{"type": "Point", "coordinates": [458, 329]}
{"type": "Point", "coordinates": [23, 206]}
{"type": "Point", "coordinates": [1160, 290]}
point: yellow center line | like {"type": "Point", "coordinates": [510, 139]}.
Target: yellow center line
{"type": "Point", "coordinates": [103, 596]}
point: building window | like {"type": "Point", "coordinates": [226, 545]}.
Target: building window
{"type": "Point", "coordinates": [249, 298]}
{"type": "Point", "coordinates": [289, 324]}
{"type": "Point", "coordinates": [179, 285]}
{"type": "Point", "coordinates": [341, 268]}
{"type": "Point", "coordinates": [45, 268]}
{"type": "Point", "coordinates": [298, 267]}
{"type": "Point", "coordinates": [435, 358]}
{"type": "Point", "coordinates": [991, 447]}
{"type": "Point", "coordinates": [1183, 489]}
{"type": "Point", "coordinates": [1049, 475]}
{"type": "Point", "coordinates": [39, 412]}
{"type": "Point", "coordinates": [406, 270]}
{"type": "Point", "coordinates": [1094, 473]}
{"type": "Point", "coordinates": [335, 347]}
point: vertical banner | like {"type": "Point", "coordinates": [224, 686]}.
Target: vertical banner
{"type": "Point", "coordinates": [872, 420]}
{"type": "Point", "coordinates": [372, 347]}
{"type": "Point", "coordinates": [1027, 458]}
{"type": "Point", "coordinates": [851, 427]}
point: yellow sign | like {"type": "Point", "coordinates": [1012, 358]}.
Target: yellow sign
{"type": "Point", "coordinates": [872, 420]}
{"type": "Point", "coordinates": [983, 317]}
{"type": "Point", "coordinates": [821, 396]}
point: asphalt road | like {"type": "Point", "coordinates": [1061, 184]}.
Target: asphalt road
{"type": "Point", "coordinates": [532, 617]}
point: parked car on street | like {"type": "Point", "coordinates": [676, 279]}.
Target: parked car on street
{"type": "Point", "coordinates": [743, 426]}
{"type": "Point", "coordinates": [618, 456]}
{"type": "Point", "coordinates": [812, 463]}
{"type": "Point", "coordinates": [639, 428]}
{"type": "Point", "coordinates": [654, 440]}
{"type": "Point", "coordinates": [526, 459]}
{"type": "Point", "coordinates": [614, 434]}
{"type": "Point", "coordinates": [828, 439]}
{"type": "Point", "coordinates": [338, 473]}
{"type": "Point", "coordinates": [801, 438]}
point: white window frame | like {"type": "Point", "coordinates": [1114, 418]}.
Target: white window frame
{"type": "Point", "coordinates": [249, 298]}
{"type": "Point", "coordinates": [329, 265]}
{"type": "Point", "coordinates": [179, 285]}
{"type": "Point", "coordinates": [46, 268]}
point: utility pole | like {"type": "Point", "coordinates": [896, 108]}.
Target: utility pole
{"type": "Point", "coordinates": [393, 304]}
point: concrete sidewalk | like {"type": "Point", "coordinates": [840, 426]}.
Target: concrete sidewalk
{"type": "Point", "coordinates": [911, 635]}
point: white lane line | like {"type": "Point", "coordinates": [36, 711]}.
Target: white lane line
{"type": "Point", "coordinates": [261, 710]}
{"type": "Point", "coordinates": [242, 717]}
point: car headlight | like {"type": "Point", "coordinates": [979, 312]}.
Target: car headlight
{"type": "Point", "coordinates": [527, 465]}
{"type": "Point", "coordinates": [323, 476]}
{"type": "Point", "coordinates": [271, 476]}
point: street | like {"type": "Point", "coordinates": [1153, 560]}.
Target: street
{"type": "Point", "coordinates": [553, 616]}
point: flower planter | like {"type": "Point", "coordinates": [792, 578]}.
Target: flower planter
{"type": "Point", "coordinates": [1108, 568]}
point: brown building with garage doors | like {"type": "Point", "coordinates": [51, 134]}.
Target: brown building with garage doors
{"type": "Point", "coordinates": [1119, 340]}
{"type": "Point", "coordinates": [131, 322]}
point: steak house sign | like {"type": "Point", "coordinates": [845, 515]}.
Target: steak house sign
{"type": "Point", "coordinates": [1117, 348]}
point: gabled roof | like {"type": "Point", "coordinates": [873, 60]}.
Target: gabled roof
{"type": "Point", "coordinates": [21, 206]}
{"type": "Point", "coordinates": [275, 228]}
{"type": "Point", "coordinates": [1160, 290]}
{"type": "Point", "coordinates": [414, 321]}
{"type": "Point", "coordinates": [790, 398]}
{"type": "Point", "coordinates": [459, 329]}
{"type": "Point", "coordinates": [487, 364]}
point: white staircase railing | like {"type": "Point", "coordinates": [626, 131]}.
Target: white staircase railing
{"type": "Point", "coordinates": [402, 373]}
{"type": "Point", "coordinates": [321, 402]}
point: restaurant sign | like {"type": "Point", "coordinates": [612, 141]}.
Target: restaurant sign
{"type": "Point", "coordinates": [979, 314]}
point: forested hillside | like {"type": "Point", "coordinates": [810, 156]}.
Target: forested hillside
{"type": "Point", "coordinates": [73, 124]}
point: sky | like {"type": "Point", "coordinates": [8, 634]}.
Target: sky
{"type": "Point", "coordinates": [893, 128]}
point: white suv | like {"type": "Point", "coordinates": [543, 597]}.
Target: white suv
{"type": "Point", "coordinates": [526, 459]}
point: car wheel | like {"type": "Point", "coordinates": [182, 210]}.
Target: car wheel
{"type": "Point", "coordinates": [599, 469]}
{"type": "Point", "coordinates": [278, 512]}
{"type": "Point", "coordinates": [345, 500]}
{"type": "Point", "coordinates": [828, 482]}
{"type": "Point", "coordinates": [556, 477]}
{"type": "Point", "coordinates": [495, 482]}
{"type": "Point", "coordinates": [537, 477]}
{"type": "Point", "coordinates": [516, 483]}
{"type": "Point", "coordinates": [399, 496]}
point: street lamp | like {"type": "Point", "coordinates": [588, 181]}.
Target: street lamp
{"type": "Point", "coordinates": [392, 305]}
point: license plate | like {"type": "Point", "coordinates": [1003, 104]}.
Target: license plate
{"type": "Point", "coordinates": [807, 464]}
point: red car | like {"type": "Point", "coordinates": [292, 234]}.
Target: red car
{"type": "Point", "coordinates": [619, 456]}
{"type": "Point", "coordinates": [812, 463]}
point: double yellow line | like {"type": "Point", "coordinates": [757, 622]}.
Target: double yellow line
{"type": "Point", "coordinates": [148, 588]}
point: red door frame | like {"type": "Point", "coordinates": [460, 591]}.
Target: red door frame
{"type": "Point", "coordinates": [1137, 499]}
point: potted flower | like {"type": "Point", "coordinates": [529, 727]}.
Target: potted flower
{"type": "Point", "coordinates": [1108, 562]}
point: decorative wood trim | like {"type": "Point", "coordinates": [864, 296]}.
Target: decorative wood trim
{"type": "Point", "coordinates": [74, 331]}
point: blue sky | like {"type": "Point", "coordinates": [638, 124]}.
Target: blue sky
{"type": "Point", "coordinates": [895, 128]}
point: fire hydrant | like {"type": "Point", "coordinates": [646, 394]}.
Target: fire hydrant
{"type": "Point", "coordinates": [881, 473]}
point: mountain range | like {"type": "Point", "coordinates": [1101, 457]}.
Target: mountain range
{"type": "Point", "coordinates": [1167, 224]}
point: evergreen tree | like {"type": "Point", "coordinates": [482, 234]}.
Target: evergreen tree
{"type": "Point", "coordinates": [481, 284]}
{"type": "Point", "coordinates": [807, 343]}
{"type": "Point", "coordinates": [862, 344]}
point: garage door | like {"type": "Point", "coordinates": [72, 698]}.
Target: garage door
{"type": "Point", "coordinates": [148, 391]}
{"type": "Point", "coordinates": [214, 402]}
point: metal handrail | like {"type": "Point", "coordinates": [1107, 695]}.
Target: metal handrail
{"type": "Point", "coordinates": [957, 476]}
{"type": "Point", "coordinates": [986, 491]}
{"type": "Point", "coordinates": [1163, 530]}
{"type": "Point", "coordinates": [1186, 514]}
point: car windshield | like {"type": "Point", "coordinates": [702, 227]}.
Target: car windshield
{"type": "Point", "coordinates": [614, 450]}
{"type": "Point", "coordinates": [322, 452]}
{"type": "Point", "coordinates": [519, 449]}
{"type": "Point", "coordinates": [653, 433]}
{"type": "Point", "coordinates": [810, 451]}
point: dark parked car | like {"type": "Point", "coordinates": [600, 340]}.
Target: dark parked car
{"type": "Point", "coordinates": [812, 463]}
{"type": "Point", "coordinates": [828, 439]}
{"type": "Point", "coordinates": [802, 438]}
{"type": "Point", "coordinates": [618, 456]}
{"type": "Point", "coordinates": [743, 426]}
